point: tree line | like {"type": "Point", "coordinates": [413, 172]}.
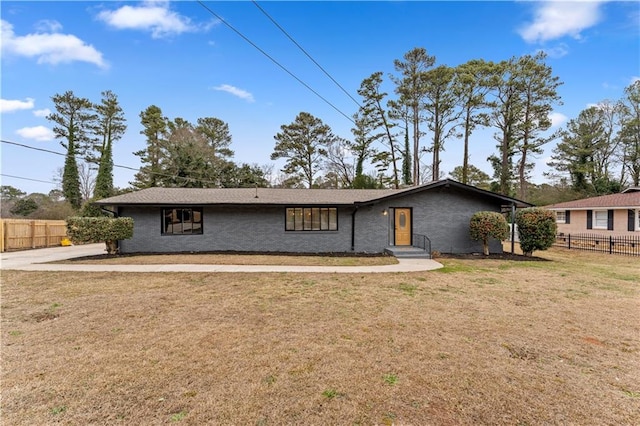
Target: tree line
{"type": "Point", "coordinates": [597, 152]}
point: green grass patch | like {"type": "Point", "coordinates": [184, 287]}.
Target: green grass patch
{"type": "Point", "coordinates": [390, 379]}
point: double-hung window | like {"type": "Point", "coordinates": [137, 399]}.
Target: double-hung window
{"type": "Point", "coordinates": [561, 217]}
{"type": "Point", "coordinates": [600, 219]}
{"type": "Point", "coordinates": [181, 220]}
{"type": "Point", "coordinates": [311, 219]}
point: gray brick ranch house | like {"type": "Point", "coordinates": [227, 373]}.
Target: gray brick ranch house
{"type": "Point", "coordinates": [434, 217]}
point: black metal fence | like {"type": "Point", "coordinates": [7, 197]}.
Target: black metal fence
{"type": "Point", "coordinates": [619, 244]}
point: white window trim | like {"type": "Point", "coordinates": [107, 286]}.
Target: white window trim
{"type": "Point", "coordinates": [595, 219]}
{"type": "Point", "coordinates": [564, 216]}
{"type": "Point", "coordinates": [637, 220]}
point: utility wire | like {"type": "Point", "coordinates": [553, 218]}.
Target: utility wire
{"type": "Point", "coordinates": [245, 38]}
{"type": "Point", "coordinates": [305, 52]}
{"type": "Point", "coordinates": [25, 178]}
{"type": "Point", "coordinates": [186, 178]}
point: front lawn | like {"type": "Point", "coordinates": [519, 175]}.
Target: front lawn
{"type": "Point", "coordinates": [476, 342]}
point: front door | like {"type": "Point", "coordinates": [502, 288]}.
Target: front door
{"type": "Point", "coordinates": [403, 227]}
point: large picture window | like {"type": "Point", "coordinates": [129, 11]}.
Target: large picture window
{"type": "Point", "coordinates": [181, 221]}
{"type": "Point", "coordinates": [312, 219]}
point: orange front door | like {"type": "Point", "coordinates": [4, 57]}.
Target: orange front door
{"type": "Point", "coordinates": [403, 227]}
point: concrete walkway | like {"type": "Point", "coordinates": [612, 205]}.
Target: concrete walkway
{"type": "Point", "coordinates": [36, 260]}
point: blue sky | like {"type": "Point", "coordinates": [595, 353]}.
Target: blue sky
{"type": "Point", "coordinates": [180, 57]}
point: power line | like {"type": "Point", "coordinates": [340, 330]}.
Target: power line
{"type": "Point", "coordinates": [245, 38]}
{"type": "Point", "coordinates": [305, 52]}
{"type": "Point", "coordinates": [185, 178]}
{"type": "Point", "coordinates": [25, 178]}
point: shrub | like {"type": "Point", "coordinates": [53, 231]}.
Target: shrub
{"type": "Point", "coordinates": [486, 225]}
{"type": "Point", "coordinates": [89, 209]}
{"type": "Point", "coordinates": [96, 229]}
{"type": "Point", "coordinates": [536, 229]}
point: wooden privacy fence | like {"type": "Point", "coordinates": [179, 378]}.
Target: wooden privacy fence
{"type": "Point", "coordinates": [20, 234]}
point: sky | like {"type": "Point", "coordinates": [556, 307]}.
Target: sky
{"type": "Point", "coordinates": [209, 61]}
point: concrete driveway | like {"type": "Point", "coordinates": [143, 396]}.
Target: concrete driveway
{"type": "Point", "coordinates": [36, 260]}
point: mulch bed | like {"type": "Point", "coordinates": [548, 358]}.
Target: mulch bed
{"type": "Point", "coordinates": [496, 256]}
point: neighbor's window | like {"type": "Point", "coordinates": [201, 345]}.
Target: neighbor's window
{"type": "Point", "coordinates": [312, 219]}
{"type": "Point", "coordinates": [600, 219]}
{"type": "Point", "coordinates": [638, 220]}
{"type": "Point", "coordinates": [561, 217]}
{"type": "Point", "coordinates": [181, 221]}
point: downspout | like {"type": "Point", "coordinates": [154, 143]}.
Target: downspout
{"type": "Point", "coordinates": [104, 209]}
{"type": "Point", "coordinates": [513, 227]}
{"type": "Point", "coordinates": [353, 229]}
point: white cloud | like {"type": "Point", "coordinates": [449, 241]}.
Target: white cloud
{"type": "Point", "coordinates": [42, 112]}
{"type": "Point", "coordinates": [556, 52]}
{"type": "Point", "coordinates": [556, 19]}
{"type": "Point", "coordinates": [557, 119]}
{"type": "Point", "coordinates": [38, 133]}
{"type": "Point", "coordinates": [11, 105]}
{"type": "Point", "coordinates": [49, 48]}
{"type": "Point", "coordinates": [242, 94]}
{"type": "Point", "coordinates": [155, 17]}
{"type": "Point", "coordinates": [48, 26]}
{"type": "Point", "coordinates": [634, 79]}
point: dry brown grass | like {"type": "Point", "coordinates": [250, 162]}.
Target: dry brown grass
{"type": "Point", "coordinates": [477, 342]}
{"type": "Point", "coordinates": [233, 259]}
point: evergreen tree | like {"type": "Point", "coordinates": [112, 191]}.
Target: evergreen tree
{"type": "Point", "coordinates": [73, 119]}
{"type": "Point", "coordinates": [155, 131]}
{"type": "Point", "coordinates": [109, 127]}
{"type": "Point", "coordinates": [217, 134]}
{"type": "Point", "coordinates": [505, 116]}
{"type": "Point", "coordinates": [440, 105]}
{"type": "Point", "coordinates": [361, 146]}
{"type": "Point", "coordinates": [304, 144]}
{"type": "Point", "coordinates": [378, 119]}
{"type": "Point", "coordinates": [472, 87]}
{"type": "Point", "coordinates": [410, 87]}
{"type": "Point", "coordinates": [538, 95]}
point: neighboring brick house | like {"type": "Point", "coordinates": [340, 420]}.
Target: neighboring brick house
{"type": "Point", "coordinates": [614, 214]}
{"type": "Point", "coordinates": [306, 220]}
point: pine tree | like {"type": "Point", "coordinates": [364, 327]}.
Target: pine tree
{"type": "Point", "coordinates": [110, 127]}
{"type": "Point", "coordinates": [304, 144]}
{"type": "Point", "coordinates": [410, 87]}
{"type": "Point", "coordinates": [155, 131]}
{"type": "Point", "coordinates": [73, 119]}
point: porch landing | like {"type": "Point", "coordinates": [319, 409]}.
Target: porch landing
{"type": "Point", "coordinates": [407, 252]}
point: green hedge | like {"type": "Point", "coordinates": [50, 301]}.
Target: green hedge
{"type": "Point", "coordinates": [98, 229]}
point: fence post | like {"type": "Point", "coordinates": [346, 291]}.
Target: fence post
{"type": "Point", "coordinates": [33, 233]}
{"type": "Point", "coordinates": [1, 235]}
{"type": "Point", "coordinates": [610, 244]}
{"type": "Point", "coordinates": [569, 241]}
{"type": "Point", "coordinates": [46, 234]}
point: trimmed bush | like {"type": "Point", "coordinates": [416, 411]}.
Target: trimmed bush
{"type": "Point", "coordinates": [537, 229]}
{"type": "Point", "coordinates": [486, 225]}
{"type": "Point", "coordinates": [96, 229]}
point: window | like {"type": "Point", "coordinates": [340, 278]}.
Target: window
{"type": "Point", "coordinates": [638, 220]}
{"type": "Point", "coordinates": [181, 221]}
{"type": "Point", "coordinates": [600, 219]}
{"type": "Point", "coordinates": [561, 217]}
{"type": "Point", "coordinates": [312, 219]}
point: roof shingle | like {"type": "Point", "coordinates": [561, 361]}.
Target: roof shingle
{"type": "Point", "coordinates": [629, 200]}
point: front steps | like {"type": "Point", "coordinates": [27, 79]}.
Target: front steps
{"type": "Point", "coordinates": [407, 252]}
